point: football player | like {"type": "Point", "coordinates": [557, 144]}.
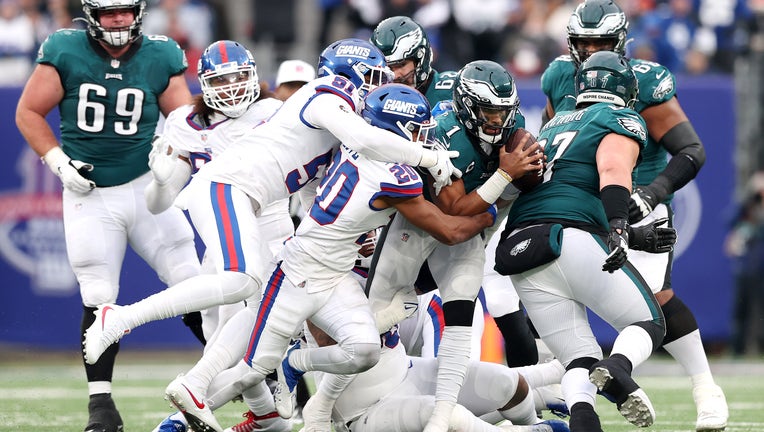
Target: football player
{"type": "Point", "coordinates": [560, 233]}
{"type": "Point", "coordinates": [597, 25]}
{"type": "Point", "coordinates": [408, 53]}
{"type": "Point", "coordinates": [230, 106]}
{"type": "Point", "coordinates": [486, 111]}
{"type": "Point", "coordinates": [110, 83]}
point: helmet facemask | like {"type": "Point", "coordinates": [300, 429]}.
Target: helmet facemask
{"type": "Point", "coordinates": [373, 77]}
{"type": "Point", "coordinates": [231, 93]}
{"type": "Point", "coordinates": [118, 36]}
{"type": "Point", "coordinates": [486, 101]}
{"type": "Point", "coordinates": [597, 20]}
{"type": "Point", "coordinates": [228, 77]}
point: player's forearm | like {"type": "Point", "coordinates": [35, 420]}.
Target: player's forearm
{"type": "Point", "coordinates": [463, 228]}
{"type": "Point", "coordinates": [36, 131]}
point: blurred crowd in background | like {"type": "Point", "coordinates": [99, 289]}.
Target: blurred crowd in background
{"type": "Point", "coordinates": [687, 36]}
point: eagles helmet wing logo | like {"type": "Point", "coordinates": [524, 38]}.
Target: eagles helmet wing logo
{"type": "Point", "coordinates": [408, 43]}
{"type": "Point", "coordinates": [634, 126]}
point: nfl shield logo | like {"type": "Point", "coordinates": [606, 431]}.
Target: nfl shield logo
{"type": "Point", "coordinates": [114, 63]}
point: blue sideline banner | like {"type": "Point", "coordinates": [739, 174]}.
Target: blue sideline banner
{"type": "Point", "coordinates": [42, 307]}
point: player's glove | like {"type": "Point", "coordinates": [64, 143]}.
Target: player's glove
{"type": "Point", "coordinates": [617, 244]}
{"type": "Point", "coordinates": [163, 160]}
{"type": "Point", "coordinates": [438, 163]}
{"type": "Point", "coordinates": [71, 172]}
{"type": "Point", "coordinates": [642, 202]}
{"type": "Point", "coordinates": [652, 238]}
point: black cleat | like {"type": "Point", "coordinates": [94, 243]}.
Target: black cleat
{"type": "Point", "coordinates": [103, 414]}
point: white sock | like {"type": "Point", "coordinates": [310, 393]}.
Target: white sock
{"type": "Point", "coordinates": [688, 351]}
{"type": "Point", "coordinates": [576, 387]}
{"type": "Point", "coordinates": [543, 374]}
{"type": "Point", "coordinates": [259, 399]}
{"type": "Point", "coordinates": [194, 294]}
{"type": "Point", "coordinates": [634, 343]}
{"type": "Point", "coordinates": [523, 413]}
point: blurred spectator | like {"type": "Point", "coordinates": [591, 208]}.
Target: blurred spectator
{"type": "Point", "coordinates": [330, 16]}
{"type": "Point", "coordinates": [187, 22]}
{"type": "Point", "coordinates": [537, 36]}
{"type": "Point", "coordinates": [49, 16]}
{"type": "Point", "coordinates": [17, 43]}
{"type": "Point", "coordinates": [292, 75]}
{"type": "Point", "coordinates": [672, 36]}
{"type": "Point", "coordinates": [745, 245]}
{"type": "Point", "coordinates": [275, 22]}
{"type": "Point", "coordinates": [483, 26]}
{"type": "Point", "coordinates": [727, 21]}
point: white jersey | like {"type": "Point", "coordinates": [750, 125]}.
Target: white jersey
{"type": "Point", "coordinates": [326, 243]}
{"type": "Point", "coordinates": [292, 148]}
{"type": "Point", "coordinates": [185, 130]}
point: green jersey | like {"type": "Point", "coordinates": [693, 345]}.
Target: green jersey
{"type": "Point", "coordinates": [656, 85]}
{"type": "Point", "coordinates": [476, 165]}
{"type": "Point", "coordinates": [110, 109]}
{"type": "Point", "coordinates": [571, 188]}
{"type": "Point", "coordinates": [441, 87]}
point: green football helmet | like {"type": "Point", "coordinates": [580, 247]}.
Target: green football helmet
{"type": "Point", "coordinates": [401, 38]}
{"type": "Point", "coordinates": [597, 19]}
{"type": "Point", "coordinates": [486, 101]}
{"type": "Point", "coordinates": [606, 77]}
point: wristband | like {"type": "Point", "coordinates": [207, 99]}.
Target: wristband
{"type": "Point", "coordinates": [55, 158]}
{"type": "Point", "coordinates": [492, 189]}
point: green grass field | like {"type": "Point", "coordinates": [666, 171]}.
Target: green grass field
{"type": "Point", "coordinates": [47, 393]}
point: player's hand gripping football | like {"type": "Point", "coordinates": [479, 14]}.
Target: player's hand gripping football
{"type": "Point", "coordinates": [71, 172]}
{"type": "Point", "coordinates": [652, 237]}
{"type": "Point", "coordinates": [618, 245]}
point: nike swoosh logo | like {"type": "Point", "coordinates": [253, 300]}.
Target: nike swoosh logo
{"type": "Point", "coordinates": [199, 405]}
{"type": "Point", "coordinates": [103, 315]}
{"type": "Point", "coordinates": [658, 76]}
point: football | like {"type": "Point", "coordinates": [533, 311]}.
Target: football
{"type": "Point", "coordinates": [529, 180]}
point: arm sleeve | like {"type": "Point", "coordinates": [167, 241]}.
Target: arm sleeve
{"type": "Point", "coordinates": [335, 115]}
{"type": "Point", "coordinates": [688, 157]}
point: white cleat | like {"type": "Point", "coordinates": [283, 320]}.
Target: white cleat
{"type": "Point", "coordinates": [712, 408]}
{"type": "Point", "coordinates": [105, 330]}
{"type": "Point", "coordinates": [192, 405]}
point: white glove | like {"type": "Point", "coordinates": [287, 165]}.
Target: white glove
{"type": "Point", "coordinates": [438, 163]}
{"type": "Point", "coordinates": [163, 160]}
{"type": "Point", "coordinates": [69, 171]}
